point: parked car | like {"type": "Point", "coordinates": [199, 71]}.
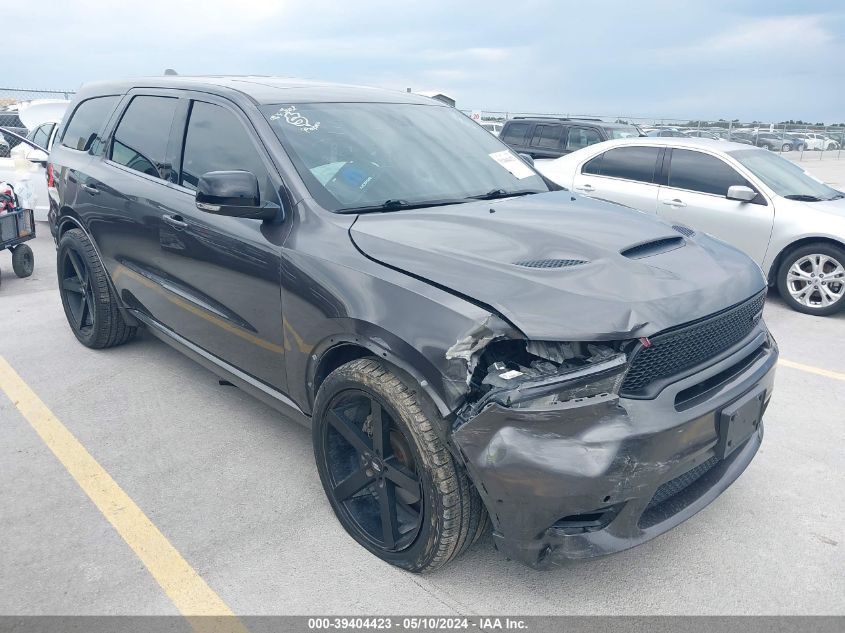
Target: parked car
{"type": "Point", "coordinates": [703, 134]}
{"type": "Point", "coordinates": [743, 138]}
{"type": "Point", "coordinates": [790, 223]}
{"type": "Point", "coordinates": [799, 141]}
{"type": "Point", "coordinates": [666, 132]}
{"type": "Point", "coordinates": [548, 137]}
{"type": "Point", "coordinates": [817, 141]}
{"type": "Point", "coordinates": [494, 127]}
{"type": "Point", "coordinates": [458, 334]}
{"type": "Point", "coordinates": [26, 166]}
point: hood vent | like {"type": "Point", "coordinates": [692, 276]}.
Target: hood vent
{"type": "Point", "coordinates": [683, 230]}
{"type": "Point", "coordinates": [656, 247]}
{"type": "Point", "coordinates": [550, 263]}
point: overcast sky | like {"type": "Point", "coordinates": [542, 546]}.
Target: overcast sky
{"type": "Point", "coordinates": [748, 59]}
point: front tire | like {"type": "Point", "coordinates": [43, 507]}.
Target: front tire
{"type": "Point", "coordinates": [391, 482]}
{"type": "Point", "coordinates": [811, 279]}
{"type": "Point", "coordinates": [23, 261]}
{"type": "Point", "coordinates": [90, 307]}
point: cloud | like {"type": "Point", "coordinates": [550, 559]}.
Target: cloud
{"type": "Point", "coordinates": [753, 59]}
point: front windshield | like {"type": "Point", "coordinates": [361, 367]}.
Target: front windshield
{"type": "Point", "coordinates": [624, 132]}
{"type": "Point", "coordinates": [364, 155]}
{"type": "Point", "coordinates": [784, 177]}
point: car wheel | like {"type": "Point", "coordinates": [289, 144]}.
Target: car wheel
{"type": "Point", "coordinates": [90, 307]}
{"type": "Point", "coordinates": [811, 279]}
{"type": "Point", "coordinates": [391, 482]}
{"type": "Point", "coordinates": [786, 147]}
{"type": "Point", "coordinates": [23, 261]}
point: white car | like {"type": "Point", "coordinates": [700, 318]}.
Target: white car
{"type": "Point", "coordinates": [813, 140]}
{"type": "Point", "coordinates": [494, 127]}
{"type": "Point", "coordinates": [790, 223]}
{"type": "Point", "coordinates": [25, 168]}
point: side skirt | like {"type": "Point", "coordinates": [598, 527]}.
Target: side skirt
{"type": "Point", "coordinates": [269, 396]}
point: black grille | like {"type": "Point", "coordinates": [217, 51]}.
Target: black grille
{"type": "Point", "coordinates": [550, 263]}
{"type": "Point", "coordinates": [683, 230]}
{"type": "Point", "coordinates": [676, 485]}
{"type": "Point", "coordinates": [668, 500]}
{"type": "Point", "coordinates": [675, 351]}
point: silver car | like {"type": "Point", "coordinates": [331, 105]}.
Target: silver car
{"type": "Point", "coordinates": [791, 223]}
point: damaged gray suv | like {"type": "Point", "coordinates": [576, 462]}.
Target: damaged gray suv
{"type": "Point", "coordinates": [471, 345]}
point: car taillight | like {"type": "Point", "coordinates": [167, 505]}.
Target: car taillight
{"type": "Point", "coordinates": [49, 174]}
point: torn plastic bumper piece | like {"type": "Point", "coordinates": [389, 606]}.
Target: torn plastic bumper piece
{"type": "Point", "coordinates": [599, 475]}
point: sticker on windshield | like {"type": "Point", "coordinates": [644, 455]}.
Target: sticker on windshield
{"type": "Point", "coordinates": [290, 116]}
{"type": "Point", "coordinates": [512, 163]}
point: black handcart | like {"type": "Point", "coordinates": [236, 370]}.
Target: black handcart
{"type": "Point", "coordinates": [16, 227]}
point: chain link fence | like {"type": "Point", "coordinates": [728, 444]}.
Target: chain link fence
{"type": "Point", "coordinates": [11, 100]}
{"type": "Point", "coordinates": [802, 140]}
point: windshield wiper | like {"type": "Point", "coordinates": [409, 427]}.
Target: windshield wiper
{"type": "Point", "coordinates": [803, 197]}
{"type": "Point", "coordinates": [399, 205]}
{"type": "Point", "coordinates": [501, 193]}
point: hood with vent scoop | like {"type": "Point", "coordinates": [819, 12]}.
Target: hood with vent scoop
{"type": "Point", "coordinates": [563, 267]}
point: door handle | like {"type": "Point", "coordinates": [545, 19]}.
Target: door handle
{"type": "Point", "coordinates": [675, 203]}
{"type": "Point", "coordinates": [175, 221]}
{"type": "Point", "coordinates": [587, 188]}
{"type": "Point", "coordinates": [92, 189]}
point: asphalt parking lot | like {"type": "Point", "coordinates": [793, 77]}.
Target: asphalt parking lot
{"type": "Point", "coordinates": [233, 487]}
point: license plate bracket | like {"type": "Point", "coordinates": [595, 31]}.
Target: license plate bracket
{"type": "Point", "coordinates": [739, 420]}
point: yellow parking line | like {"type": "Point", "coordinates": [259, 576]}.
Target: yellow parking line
{"type": "Point", "coordinates": [182, 584]}
{"type": "Point", "coordinates": [812, 370]}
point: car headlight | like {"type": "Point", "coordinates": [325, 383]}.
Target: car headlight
{"type": "Point", "coordinates": [543, 375]}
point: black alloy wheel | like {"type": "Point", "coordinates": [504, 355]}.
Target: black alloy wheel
{"type": "Point", "coordinates": [77, 291]}
{"type": "Point", "coordinates": [90, 306]}
{"type": "Point", "coordinates": [392, 483]}
{"type": "Point", "coordinates": [372, 471]}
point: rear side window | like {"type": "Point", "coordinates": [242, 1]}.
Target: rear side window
{"type": "Point", "coordinates": [217, 141]}
{"type": "Point", "coordinates": [546, 136]}
{"type": "Point", "coordinates": [629, 163]}
{"type": "Point", "coordinates": [515, 133]}
{"type": "Point", "coordinates": [141, 138]}
{"type": "Point", "coordinates": [582, 137]}
{"type": "Point", "coordinates": [701, 172]}
{"type": "Point", "coordinates": [87, 121]}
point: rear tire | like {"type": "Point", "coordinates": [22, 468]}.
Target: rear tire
{"type": "Point", "coordinates": [90, 306]}
{"type": "Point", "coordinates": [437, 513]}
{"type": "Point", "coordinates": [811, 279]}
{"type": "Point", "coordinates": [23, 260]}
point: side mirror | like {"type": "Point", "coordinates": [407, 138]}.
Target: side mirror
{"type": "Point", "coordinates": [527, 158]}
{"type": "Point", "coordinates": [232, 193]}
{"type": "Point", "coordinates": [36, 156]}
{"type": "Point", "coordinates": [741, 193]}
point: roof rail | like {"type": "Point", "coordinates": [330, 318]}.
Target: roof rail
{"type": "Point", "coordinates": [551, 118]}
{"type": "Point", "coordinates": [559, 118]}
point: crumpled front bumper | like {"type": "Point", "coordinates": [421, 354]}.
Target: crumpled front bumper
{"type": "Point", "coordinates": [581, 482]}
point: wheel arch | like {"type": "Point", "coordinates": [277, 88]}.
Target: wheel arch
{"type": "Point", "coordinates": [786, 250]}
{"type": "Point", "coordinates": [339, 349]}
{"type": "Point", "coordinates": [69, 220]}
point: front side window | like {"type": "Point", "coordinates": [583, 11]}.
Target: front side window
{"type": "Point", "coordinates": [143, 134]}
{"type": "Point", "coordinates": [582, 137]}
{"type": "Point", "coordinates": [629, 163]}
{"type": "Point", "coordinates": [696, 171]}
{"type": "Point", "coordinates": [87, 121]}
{"type": "Point", "coordinates": [360, 155]}
{"type": "Point", "coordinates": [546, 136]}
{"type": "Point", "coordinates": [217, 141]}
